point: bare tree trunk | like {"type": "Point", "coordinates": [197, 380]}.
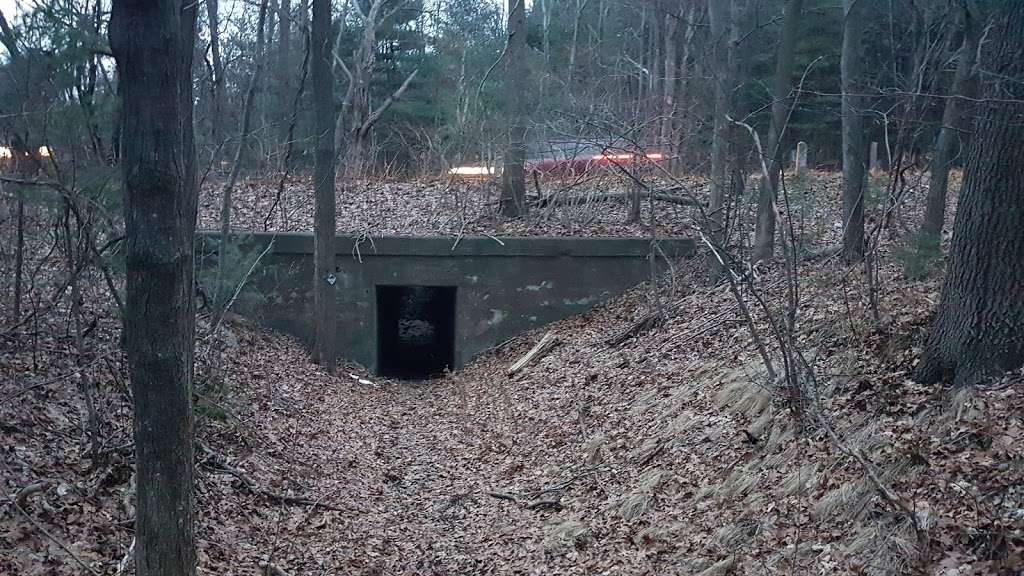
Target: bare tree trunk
{"type": "Point", "coordinates": [722, 30]}
{"type": "Point", "coordinates": [19, 252]}
{"type": "Point", "coordinates": [92, 420]}
{"type": "Point", "coordinates": [545, 10]}
{"type": "Point", "coordinates": [251, 93]}
{"type": "Point", "coordinates": [635, 196]}
{"type": "Point", "coordinates": [930, 235]}
{"type": "Point", "coordinates": [353, 125]}
{"type": "Point", "coordinates": [764, 235]}
{"type": "Point", "coordinates": [979, 327]}
{"type": "Point", "coordinates": [217, 114]}
{"type": "Point", "coordinates": [289, 148]}
{"type": "Point", "coordinates": [513, 177]}
{"type": "Point", "coordinates": [675, 160]}
{"type": "Point", "coordinates": [854, 169]}
{"type": "Point", "coordinates": [668, 109]}
{"type": "Point", "coordinates": [87, 93]}
{"type": "Point", "coordinates": [324, 282]}
{"type": "Point", "coordinates": [284, 60]}
{"type": "Point", "coordinates": [581, 5]}
{"type": "Point", "coordinates": [152, 41]}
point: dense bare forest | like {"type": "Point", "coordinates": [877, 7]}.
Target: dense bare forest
{"type": "Point", "coordinates": [511, 287]}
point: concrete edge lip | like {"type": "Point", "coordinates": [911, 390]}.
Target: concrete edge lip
{"type": "Point", "coordinates": [468, 245]}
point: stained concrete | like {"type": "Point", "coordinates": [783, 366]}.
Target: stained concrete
{"type": "Point", "coordinates": [503, 286]}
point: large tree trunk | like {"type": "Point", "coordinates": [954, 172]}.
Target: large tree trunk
{"type": "Point", "coordinates": [855, 14]}
{"type": "Point", "coordinates": [979, 328]}
{"type": "Point", "coordinates": [513, 177]}
{"type": "Point", "coordinates": [764, 235]}
{"type": "Point", "coordinates": [324, 282]}
{"type": "Point", "coordinates": [722, 30]}
{"type": "Point", "coordinates": [946, 144]}
{"type": "Point", "coordinates": [152, 42]}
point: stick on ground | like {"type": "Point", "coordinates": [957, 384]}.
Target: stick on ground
{"type": "Point", "coordinates": [545, 345]}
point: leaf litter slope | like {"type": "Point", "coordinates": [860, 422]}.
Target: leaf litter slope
{"type": "Point", "coordinates": [436, 207]}
{"type": "Point", "coordinates": [660, 456]}
{"type": "Point", "coordinates": [664, 455]}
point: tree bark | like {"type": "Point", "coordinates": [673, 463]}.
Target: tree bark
{"type": "Point", "coordinates": [721, 19]}
{"type": "Point", "coordinates": [324, 281]}
{"type": "Point", "coordinates": [152, 42]}
{"type": "Point", "coordinates": [854, 169]}
{"type": "Point", "coordinates": [979, 327]}
{"type": "Point", "coordinates": [513, 176]}
{"type": "Point", "coordinates": [764, 235]}
{"type": "Point", "coordinates": [930, 235]}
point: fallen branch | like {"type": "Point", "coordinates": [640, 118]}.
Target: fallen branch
{"type": "Point", "coordinates": [35, 488]}
{"type": "Point", "coordinates": [54, 539]}
{"type": "Point", "coordinates": [274, 570]}
{"type": "Point", "coordinates": [544, 505]}
{"type": "Point", "coordinates": [502, 496]}
{"type": "Point", "coordinates": [546, 344]}
{"type": "Point", "coordinates": [646, 323]}
{"type": "Point", "coordinates": [608, 196]}
{"type": "Point", "coordinates": [826, 252]}
{"type": "Point", "coordinates": [254, 488]}
{"type": "Point", "coordinates": [24, 182]}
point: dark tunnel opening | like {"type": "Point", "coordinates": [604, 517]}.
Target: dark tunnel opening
{"type": "Point", "coordinates": [415, 331]}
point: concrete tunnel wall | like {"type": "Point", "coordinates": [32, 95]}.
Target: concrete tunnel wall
{"type": "Point", "coordinates": [502, 288]}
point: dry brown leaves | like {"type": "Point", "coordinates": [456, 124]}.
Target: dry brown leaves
{"type": "Point", "coordinates": [665, 455]}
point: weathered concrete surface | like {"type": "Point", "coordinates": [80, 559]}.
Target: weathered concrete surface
{"type": "Point", "coordinates": [503, 287]}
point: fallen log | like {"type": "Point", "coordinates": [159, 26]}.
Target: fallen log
{"type": "Point", "coordinates": [545, 345]}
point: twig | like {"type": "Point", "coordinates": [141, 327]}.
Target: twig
{"type": "Point", "coordinates": [64, 376]}
{"type": "Point", "coordinates": [123, 564]}
{"type": "Point", "coordinates": [54, 539]}
{"type": "Point", "coordinates": [253, 487]}
{"type": "Point", "coordinates": [730, 276]}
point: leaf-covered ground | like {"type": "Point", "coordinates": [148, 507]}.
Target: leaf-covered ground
{"type": "Point", "coordinates": [667, 454]}
{"type": "Point", "coordinates": [437, 207]}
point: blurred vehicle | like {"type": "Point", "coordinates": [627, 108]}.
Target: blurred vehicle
{"type": "Point", "coordinates": [23, 162]}
{"type": "Point", "coordinates": [565, 159]}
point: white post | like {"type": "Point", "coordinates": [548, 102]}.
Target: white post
{"type": "Point", "coordinates": [801, 158]}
